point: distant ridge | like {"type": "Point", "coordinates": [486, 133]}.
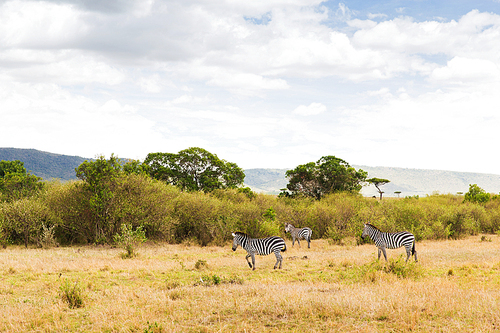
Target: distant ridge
{"type": "Point", "coordinates": [44, 164]}
{"type": "Point", "coordinates": [409, 181]}
{"type": "Point", "coordinates": [426, 182]}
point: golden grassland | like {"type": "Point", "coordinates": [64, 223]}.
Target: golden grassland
{"type": "Point", "coordinates": [181, 288]}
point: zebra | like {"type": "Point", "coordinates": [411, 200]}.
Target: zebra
{"type": "Point", "coordinates": [259, 246]}
{"type": "Point", "coordinates": [387, 240]}
{"type": "Point", "coordinates": [299, 233]}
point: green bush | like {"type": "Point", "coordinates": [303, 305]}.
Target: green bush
{"type": "Point", "coordinates": [129, 239]}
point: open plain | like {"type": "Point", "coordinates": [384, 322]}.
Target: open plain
{"type": "Point", "coordinates": [455, 287]}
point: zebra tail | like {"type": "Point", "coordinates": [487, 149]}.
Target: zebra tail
{"type": "Point", "coordinates": [284, 248]}
{"type": "Point", "coordinates": [413, 249]}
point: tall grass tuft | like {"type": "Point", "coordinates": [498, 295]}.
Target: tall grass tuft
{"type": "Point", "coordinates": [72, 294]}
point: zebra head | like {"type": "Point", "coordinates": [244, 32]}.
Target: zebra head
{"type": "Point", "coordinates": [236, 241]}
{"type": "Point", "coordinates": [288, 227]}
{"type": "Point", "coordinates": [365, 231]}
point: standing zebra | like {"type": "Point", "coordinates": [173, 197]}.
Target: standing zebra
{"type": "Point", "coordinates": [387, 240]}
{"type": "Point", "coordinates": [261, 247]}
{"type": "Point", "coordinates": [299, 233]}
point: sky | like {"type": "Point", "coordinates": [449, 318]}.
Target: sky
{"type": "Point", "coordinates": [261, 83]}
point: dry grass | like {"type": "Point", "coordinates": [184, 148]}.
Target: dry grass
{"type": "Point", "coordinates": [454, 288]}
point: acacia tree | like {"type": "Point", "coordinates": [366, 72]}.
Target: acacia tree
{"type": "Point", "coordinates": [194, 169]}
{"type": "Point", "coordinates": [329, 174]}
{"type": "Point", "coordinates": [378, 182]}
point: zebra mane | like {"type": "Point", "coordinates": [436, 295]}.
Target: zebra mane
{"type": "Point", "coordinates": [240, 233]}
{"type": "Point", "coordinates": [374, 227]}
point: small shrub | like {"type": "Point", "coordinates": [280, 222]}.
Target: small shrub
{"type": "Point", "coordinates": [214, 280]}
{"type": "Point", "coordinates": [485, 239]}
{"type": "Point", "coordinates": [375, 269]}
{"type": "Point", "coordinates": [201, 264]}
{"type": "Point", "coordinates": [402, 269]}
{"type": "Point", "coordinates": [153, 328]}
{"type": "Point", "coordinates": [72, 294]}
{"type": "Point", "coordinates": [47, 239]}
{"type": "Point", "coordinates": [129, 239]}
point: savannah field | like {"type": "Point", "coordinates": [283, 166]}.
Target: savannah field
{"type": "Point", "coordinates": [455, 287]}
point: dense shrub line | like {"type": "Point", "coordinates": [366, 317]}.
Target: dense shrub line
{"type": "Point", "coordinates": [165, 213]}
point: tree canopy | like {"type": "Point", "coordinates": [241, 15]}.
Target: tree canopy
{"type": "Point", "coordinates": [329, 174]}
{"type": "Point", "coordinates": [16, 182]}
{"type": "Point", "coordinates": [378, 182]}
{"type": "Point", "coordinates": [476, 194]}
{"type": "Point", "coordinates": [194, 169]}
{"type": "Point", "coordinates": [100, 178]}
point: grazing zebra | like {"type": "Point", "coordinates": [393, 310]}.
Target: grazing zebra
{"type": "Point", "coordinates": [387, 240]}
{"type": "Point", "coordinates": [299, 233]}
{"type": "Point", "coordinates": [261, 247]}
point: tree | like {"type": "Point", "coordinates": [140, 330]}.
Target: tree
{"type": "Point", "coordinates": [16, 182]}
{"type": "Point", "coordinates": [101, 177]}
{"type": "Point", "coordinates": [194, 169]}
{"type": "Point", "coordinates": [328, 175]}
{"type": "Point", "coordinates": [378, 182]}
{"type": "Point", "coordinates": [477, 194]}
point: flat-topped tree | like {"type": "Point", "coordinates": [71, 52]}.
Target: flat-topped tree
{"type": "Point", "coordinates": [378, 182]}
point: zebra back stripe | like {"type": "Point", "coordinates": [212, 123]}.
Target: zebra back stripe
{"type": "Point", "coordinates": [390, 240]}
{"type": "Point", "coordinates": [260, 246]}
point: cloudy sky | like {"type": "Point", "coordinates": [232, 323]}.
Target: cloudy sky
{"type": "Point", "coordinates": [261, 83]}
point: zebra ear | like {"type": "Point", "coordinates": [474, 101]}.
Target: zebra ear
{"type": "Point", "coordinates": [233, 234]}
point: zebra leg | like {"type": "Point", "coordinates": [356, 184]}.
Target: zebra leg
{"type": "Point", "coordinates": [309, 243]}
{"type": "Point", "coordinates": [414, 251]}
{"type": "Point", "coordinates": [298, 241]}
{"type": "Point", "coordinates": [379, 252]}
{"type": "Point", "coordinates": [249, 264]}
{"type": "Point", "coordinates": [253, 261]}
{"type": "Point", "coordinates": [408, 253]}
{"type": "Point", "coordinates": [385, 254]}
{"type": "Point", "coordinates": [279, 259]}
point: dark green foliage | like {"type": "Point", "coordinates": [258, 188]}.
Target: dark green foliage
{"type": "Point", "coordinates": [328, 175]}
{"type": "Point", "coordinates": [477, 194]}
{"type": "Point", "coordinates": [101, 178]}
{"type": "Point", "coordinates": [16, 182]}
{"type": "Point", "coordinates": [194, 169]}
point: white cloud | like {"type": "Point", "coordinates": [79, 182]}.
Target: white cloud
{"type": "Point", "coordinates": [466, 70]}
{"type": "Point", "coordinates": [43, 115]}
{"type": "Point", "coordinates": [310, 110]}
{"type": "Point", "coordinates": [39, 24]}
{"type": "Point", "coordinates": [131, 77]}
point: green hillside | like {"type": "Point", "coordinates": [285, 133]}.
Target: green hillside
{"type": "Point", "coordinates": [43, 164]}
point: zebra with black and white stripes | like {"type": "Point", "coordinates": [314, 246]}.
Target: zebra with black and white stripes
{"type": "Point", "coordinates": [388, 240]}
{"type": "Point", "coordinates": [260, 246]}
{"type": "Point", "coordinates": [299, 233]}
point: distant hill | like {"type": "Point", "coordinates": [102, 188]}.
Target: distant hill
{"type": "Point", "coordinates": [43, 164]}
{"type": "Point", "coordinates": [409, 181]}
